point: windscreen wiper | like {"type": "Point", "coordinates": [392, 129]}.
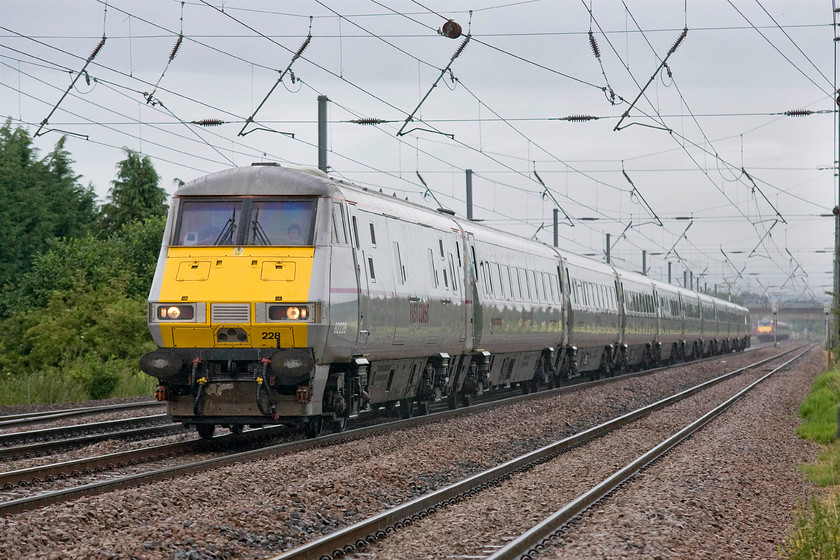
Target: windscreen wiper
{"type": "Point", "coordinates": [259, 232]}
{"type": "Point", "coordinates": [226, 236]}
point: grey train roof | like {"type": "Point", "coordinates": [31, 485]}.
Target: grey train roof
{"type": "Point", "coordinates": [259, 180]}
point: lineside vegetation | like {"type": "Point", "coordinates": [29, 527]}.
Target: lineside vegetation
{"type": "Point", "coordinates": [816, 531]}
{"type": "Point", "coordinates": [74, 275]}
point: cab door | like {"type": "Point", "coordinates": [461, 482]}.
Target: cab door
{"type": "Point", "coordinates": [361, 282]}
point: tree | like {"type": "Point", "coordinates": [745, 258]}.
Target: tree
{"type": "Point", "coordinates": [135, 194]}
{"type": "Point", "coordinates": [128, 258]}
{"type": "Point", "coordinates": [72, 207]}
{"type": "Point", "coordinates": [39, 200]}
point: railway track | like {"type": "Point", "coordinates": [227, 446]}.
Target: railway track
{"type": "Point", "coordinates": [363, 538]}
{"type": "Point", "coordinates": [38, 442]}
{"type": "Point", "coordinates": [43, 416]}
{"type": "Point", "coordinates": [106, 464]}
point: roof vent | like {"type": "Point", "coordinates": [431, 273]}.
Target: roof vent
{"type": "Point", "coordinates": [446, 211]}
{"type": "Point", "coordinates": [270, 163]}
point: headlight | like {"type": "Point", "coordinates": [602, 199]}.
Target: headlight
{"type": "Point", "coordinates": [173, 312]}
{"type": "Point", "coordinates": [304, 312]}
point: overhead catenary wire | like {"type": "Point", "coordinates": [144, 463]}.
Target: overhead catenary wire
{"type": "Point", "coordinates": [489, 171]}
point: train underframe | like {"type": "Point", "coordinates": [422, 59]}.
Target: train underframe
{"type": "Point", "coordinates": [234, 388]}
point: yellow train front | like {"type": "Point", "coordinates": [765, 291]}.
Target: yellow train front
{"type": "Point", "coordinates": [236, 302]}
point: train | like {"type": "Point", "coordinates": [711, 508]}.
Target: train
{"type": "Point", "coordinates": [766, 332]}
{"type": "Point", "coordinates": [286, 296]}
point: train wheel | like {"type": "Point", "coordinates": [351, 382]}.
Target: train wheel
{"type": "Point", "coordinates": [339, 425]}
{"type": "Point", "coordinates": [452, 400]}
{"type": "Point", "coordinates": [313, 426]}
{"type": "Point", "coordinates": [466, 399]}
{"type": "Point", "coordinates": [205, 431]}
{"type": "Point", "coordinates": [424, 407]}
{"type": "Point", "coordinates": [526, 387]}
{"type": "Point", "coordinates": [406, 408]}
{"type": "Point", "coordinates": [236, 428]}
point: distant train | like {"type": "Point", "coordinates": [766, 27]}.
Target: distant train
{"type": "Point", "coordinates": [286, 296]}
{"type": "Point", "coordinates": [764, 331]}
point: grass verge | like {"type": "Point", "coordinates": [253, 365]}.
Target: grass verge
{"type": "Point", "coordinates": [80, 380]}
{"type": "Point", "coordinates": [816, 531]}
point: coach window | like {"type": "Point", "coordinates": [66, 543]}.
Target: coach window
{"type": "Point", "coordinates": [371, 271]}
{"type": "Point", "coordinates": [523, 284]}
{"type": "Point", "coordinates": [475, 266]}
{"type": "Point", "coordinates": [452, 273]}
{"type": "Point", "coordinates": [507, 280]}
{"type": "Point", "coordinates": [516, 278]}
{"type": "Point", "coordinates": [496, 275]}
{"type": "Point", "coordinates": [551, 288]}
{"type": "Point", "coordinates": [495, 280]}
{"type": "Point", "coordinates": [398, 264]}
{"type": "Point", "coordinates": [339, 231]}
{"type": "Point", "coordinates": [488, 278]}
{"type": "Point", "coordinates": [372, 236]}
{"type": "Point", "coordinates": [440, 242]}
{"type": "Point", "coordinates": [432, 267]}
{"type": "Point", "coordinates": [355, 233]}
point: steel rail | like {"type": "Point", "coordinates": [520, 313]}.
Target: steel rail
{"type": "Point", "coordinates": [49, 415]}
{"type": "Point", "coordinates": [133, 456]}
{"type": "Point", "coordinates": [35, 449]}
{"type": "Point", "coordinates": [534, 539]}
{"type": "Point", "coordinates": [42, 500]}
{"type": "Point", "coordinates": [351, 539]}
{"type": "Point", "coordinates": [92, 427]}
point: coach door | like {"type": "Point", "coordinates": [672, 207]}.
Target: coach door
{"type": "Point", "coordinates": [467, 271]}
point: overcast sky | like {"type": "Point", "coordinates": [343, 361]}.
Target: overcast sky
{"type": "Point", "coordinates": [741, 190]}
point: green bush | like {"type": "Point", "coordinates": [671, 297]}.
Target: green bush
{"type": "Point", "coordinates": [96, 376]}
{"type": "Point", "coordinates": [76, 323]}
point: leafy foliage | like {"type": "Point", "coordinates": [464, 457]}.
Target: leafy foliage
{"type": "Point", "coordinates": [126, 259]}
{"type": "Point", "coordinates": [73, 283]}
{"type": "Point", "coordinates": [135, 194]}
{"type": "Point", "coordinates": [39, 200]}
